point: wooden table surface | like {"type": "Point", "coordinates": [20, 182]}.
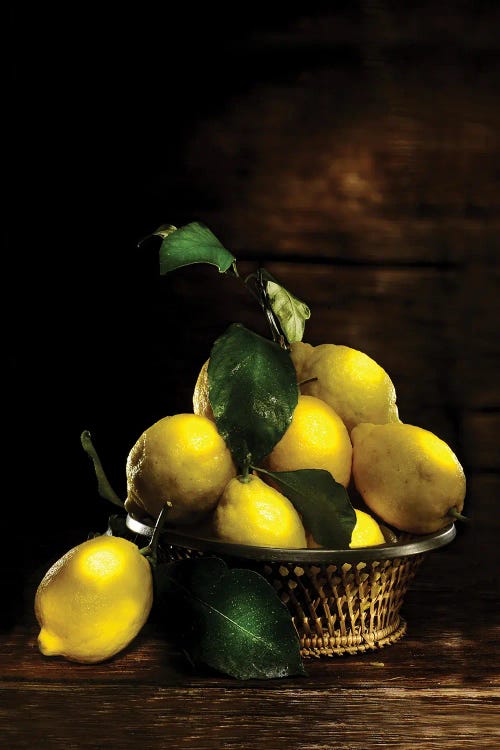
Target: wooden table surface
{"type": "Point", "coordinates": [436, 688]}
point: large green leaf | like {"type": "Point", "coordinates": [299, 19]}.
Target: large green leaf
{"type": "Point", "coordinates": [323, 503]}
{"type": "Point", "coordinates": [252, 391]}
{"type": "Point", "coordinates": [192, 243]}
{"type": "Point", "coordinates": [230, 620]}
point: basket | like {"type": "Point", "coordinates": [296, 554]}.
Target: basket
{"type": "Point", "coordinates": [341, 601]}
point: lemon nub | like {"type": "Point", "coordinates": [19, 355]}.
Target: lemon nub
{"type": "Point", "coordinates": [48, 643]}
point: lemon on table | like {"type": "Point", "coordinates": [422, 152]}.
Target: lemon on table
{"type": "Point", "coordinates": [407, 476]}
{"type": "Point", "coordinates": [94, 600]}
{"type": "Point", "coordinates": [366, 532]}
{"type": "Point", "coordinates": [350, 381]}
{"type": "Point", "coordinates": [316, 439]}
{"type": "Point", "coordinates": [253, 512]}
{"type": "Point", "coordinates": [181, 459]}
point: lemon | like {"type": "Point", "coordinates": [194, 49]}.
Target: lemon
{"type": "Point", "coordinates": [407, 476]}
{"type": "Point", "coordinates": [201, 403]}
{"type": "Point", "coordinates": [351, 382]}
{"type": "Point", "coordinates": [181, 459]}
{"type": "Point", "coordinates": [316, 439]}
{"type": "Point", "coordinates": [94, 600]}
{"type": "Point", "coordinates": [253, 512]}
{"type": "Point", "coordinates": [366, 532]}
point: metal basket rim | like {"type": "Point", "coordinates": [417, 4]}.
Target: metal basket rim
{"type": "Point", "coordinates": [416, 546]}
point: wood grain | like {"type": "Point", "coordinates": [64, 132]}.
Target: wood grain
{"type": "Point", "coordinates": [212, 718]}
{"type": "Point", "coordinates": [390, 698]}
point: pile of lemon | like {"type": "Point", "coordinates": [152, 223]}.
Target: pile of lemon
{"type": "Point", "coordinates": [342, 420]}
{"type": "Point", "coordinates": [94, 600]}
{"type": "Point", "coordinates": [346, 422]}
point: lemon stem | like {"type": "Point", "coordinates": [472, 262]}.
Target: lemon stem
{"type": "Point", "coordinates": [104, 488]}
{"type": "Point", "coordinates": [245, 473]}
{"type": "Point", "coordinates": [454, 513]}
{"type": "Point", "coordinates": [151, 549]}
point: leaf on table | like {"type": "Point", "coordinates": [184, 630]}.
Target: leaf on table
{"type": "Point", "coordinates": [322, 502]}
{"type": "Point", "coordinates": [253, 392]}
{"type": "Point", "coordinates": [232, 619]}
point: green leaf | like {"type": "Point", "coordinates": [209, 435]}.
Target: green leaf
{"type": "Point", "coordinates": [233, 620]}
{"type": "Point", "coordinates": [323, 503]}
{"type": "Point", "coordinates": [290, 311]}
{"type": "Point", "coordinates": [253, 392]}
{"type": "Point", "coordinates": [192, 243]}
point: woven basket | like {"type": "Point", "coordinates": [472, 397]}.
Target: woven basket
{"type": "Point", "coordinates": [340, 601]}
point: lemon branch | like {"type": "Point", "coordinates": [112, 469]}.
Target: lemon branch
{"type": "Point", "coordinates": [196, 243]}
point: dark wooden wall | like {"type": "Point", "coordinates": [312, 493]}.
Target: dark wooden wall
{"type": "Point", "coordinates": [365, 175]}
{"type": "Point", "coordinates": [353, 150]}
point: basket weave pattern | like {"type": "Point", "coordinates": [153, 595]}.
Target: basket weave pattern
{"type": "Point", "coordinates": [346, 608]}
{"type": "Point", "coordinates": [338, 608]}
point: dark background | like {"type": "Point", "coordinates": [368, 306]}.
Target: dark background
{"type": "Point", "coordinates": [106, 105]}
{"type": "Point", "coordinates": [352, 149]}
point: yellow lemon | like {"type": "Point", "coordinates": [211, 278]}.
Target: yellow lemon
{"type": "Point", "coordinates": [407, 476]}
{"type": "Point", "coordinates": [351, 382]}
{"type": "Point", "coordinates": [181, 459]}
{"type": "Point", "coordinates": [366, 532]}
{"type": "Point", "coordinates": [253, 512]}
{"type": "Point", "coordinates": [316, 439]}
{"type": "Point", "coordinates": [94, 600]}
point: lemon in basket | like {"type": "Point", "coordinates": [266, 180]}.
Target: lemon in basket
{"type": "Point", "coordinates": [252, 512]}
{"type": "Point", "coordinates": [407, 476]}
{"type": "Point", "coordinates": [182, 460]}
{"type": "Point", "coordinates": [94, 600]}
{"type": "Point", "coordinates": [316, 439]}
{"type": "Point", "coordinates": [351, 382]}
{"type": "Point", "coordinates": [366, 532]}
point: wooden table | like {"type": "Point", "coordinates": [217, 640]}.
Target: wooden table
{"type": "Point", "coordinates": [436, 688]}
